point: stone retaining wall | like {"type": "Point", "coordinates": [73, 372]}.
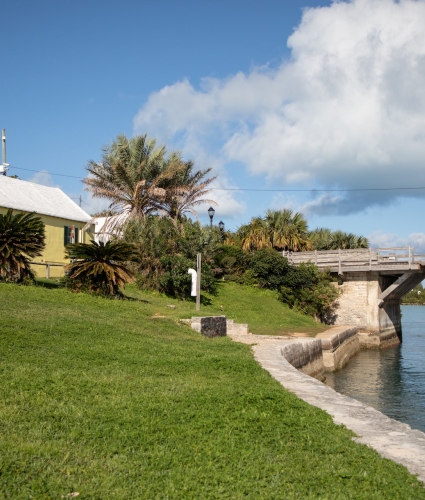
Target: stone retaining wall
{"type": "Point", "coordinates": [339, 345]}
{"type": "Point", "coordinates": [306, 356]}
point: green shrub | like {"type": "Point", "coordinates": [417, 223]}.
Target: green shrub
{"type": "Point", "coordinates": [176, 281]}
{"type": "Point", "coordinates": [309, 290]}
{"type": "Point", "coordinates": [269, 268]}
{"type": "Point", "coordinates": [231, 262]}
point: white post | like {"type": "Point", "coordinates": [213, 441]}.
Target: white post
{"type": "Point", "coordinates": [194, 275]}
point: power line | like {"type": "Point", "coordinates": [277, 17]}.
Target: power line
{"type": "Point", "coordinates": [50, 173]}
{"type": "Point", "coordinates": [317, 190]}
{"type": "Point", "coordinates": [82, 201]}
{"type": "Point", "coordinates": [265, 190]}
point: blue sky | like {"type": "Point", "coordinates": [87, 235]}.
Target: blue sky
{"type": "Point", "coordinates": [277, 95]}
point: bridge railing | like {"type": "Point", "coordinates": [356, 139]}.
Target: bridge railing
{"type": "Point", "coordinates": [362, 258]}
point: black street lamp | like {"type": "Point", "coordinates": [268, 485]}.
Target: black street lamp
{"type": "Point", "coordinates": [211, 213]}
{"type": "Point", "coordinates": [221, 225]}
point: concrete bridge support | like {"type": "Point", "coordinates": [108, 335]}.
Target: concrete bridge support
{"type": "Point", "coordinates": [374, 282]}
{"type": "Point", "coordinates": [371, 301]}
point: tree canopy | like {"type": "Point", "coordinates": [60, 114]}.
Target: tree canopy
{"type": "Point", "coordinates": [140, 179]}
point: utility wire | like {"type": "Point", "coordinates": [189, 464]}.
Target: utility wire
{"type": "Point", "coordinates": [50, 173]}
{"type": "Point", "coordinates": [266, 190]}
{"type": "Point", "coordinates": [82, 201]}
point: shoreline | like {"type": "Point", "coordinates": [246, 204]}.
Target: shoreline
{"type": "Point", "coordinates": [390, 438]}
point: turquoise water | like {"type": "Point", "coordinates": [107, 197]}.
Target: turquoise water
{"type": "Point", "coordinates": [391, 380]}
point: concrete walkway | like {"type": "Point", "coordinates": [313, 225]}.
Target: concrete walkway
{"type": "Point", "coordinates": [390, 438]}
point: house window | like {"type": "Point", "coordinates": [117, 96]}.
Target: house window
{"type": "Point", "coordinates": [70, 235]}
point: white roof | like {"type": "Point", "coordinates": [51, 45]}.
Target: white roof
{"type": "Point", "coordinates": [31, 197]}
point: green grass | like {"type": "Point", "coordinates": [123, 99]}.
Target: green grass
{"type": "Point", "coordinates": [99, 398]}
{"type": "Point", "coordinates": [259, 308]}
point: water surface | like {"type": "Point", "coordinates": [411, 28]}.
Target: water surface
{"type": "Point", "coordinates": [391, 380]}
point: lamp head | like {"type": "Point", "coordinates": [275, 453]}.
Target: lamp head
{"type": "Point", "coordinates": [211, 213]}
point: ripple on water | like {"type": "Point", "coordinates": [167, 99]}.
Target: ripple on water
{"type": "Point", "coordinates": [391, 380]}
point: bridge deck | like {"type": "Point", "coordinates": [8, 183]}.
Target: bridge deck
{"type": "Point", "coordinates": [363, 259]}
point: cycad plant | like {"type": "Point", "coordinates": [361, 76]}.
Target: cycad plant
{"type": "Point", "coordinates": [22, 238]}
{"type": "Point", "coordinates": [100, 266]}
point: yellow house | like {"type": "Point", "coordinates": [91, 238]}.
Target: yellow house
{"type": "Point", "coordinates": [65, 222]}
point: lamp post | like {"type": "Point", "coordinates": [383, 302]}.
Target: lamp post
{"type": "Point", "coordinates": [211, 213]}
{"type": "Point", "coordinates": [221, 227]}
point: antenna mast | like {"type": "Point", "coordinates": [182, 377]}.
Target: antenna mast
{"type": "Point", "coordinates": [4, 165]}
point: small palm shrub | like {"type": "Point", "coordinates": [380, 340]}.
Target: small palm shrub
{"type": "Point", "coordinates": [22, 237]}
{"type": "Point", "coordinates": [99, 268]}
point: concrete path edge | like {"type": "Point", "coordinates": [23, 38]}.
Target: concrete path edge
{"type": "Point", "coordinates": [392, 439]}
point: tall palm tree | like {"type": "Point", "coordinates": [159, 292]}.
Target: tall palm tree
{"type": "Point", "coordinates": [321, 238]}
{"type": "Point", "coordinates": [22, 237]}
{"type": "Point", "coordinates": [128, 175]}
{"type": "Point", "coordinates": [139, 180]}
{"type": "Point", "coordinates": [287, 230]}
{"type": "Point", "coordinates": [279, 229]}
{"type": "Point", "coordinates": [325, 239]}
{"type": "Point", "coordinates": [340, 239]}
{"type": "Point", "coordinates": [185, 189]}
{"type": "Point", "coordinates": [99, 265]}
{"type": "Point", "coordinates": [254, 235]}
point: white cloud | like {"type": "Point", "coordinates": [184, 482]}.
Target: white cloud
{"type": "Point", "coordinates": [378, 239]}
{"type": "Point", "coordinates": [347, 110]}
{"type": "Point", "coordinates": [44, 178]}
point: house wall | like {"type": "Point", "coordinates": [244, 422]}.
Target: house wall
{"type": "Point", "coordinates": [54, 251]}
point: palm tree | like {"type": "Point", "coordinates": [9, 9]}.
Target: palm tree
{"type": "Point", "coordinates": [254, 235]}
{"type": "Point", "coordinates": [287, 230]}
{"type": "Point", "coordinates": [340, 239]}
{"type": "Point", "coordinates": [139, 180]}
{"type": "Point", "coordinates": [22, 237]}
{"type": "Point", "coordinates": [128, 175]}
{"type": "Point", "coordinates": [325, 239]}
{"type": "Point", "coordinates": [185, 189]}
{"type": "Point", "coordinates": [279, 229]}
{"type": "Point", "coordinates": [97, 265]}
{"type": "Point", "coordinates": [321, 238]}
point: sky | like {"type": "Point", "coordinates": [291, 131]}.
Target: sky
{"type": "Point", "coordinates": [312, 105]}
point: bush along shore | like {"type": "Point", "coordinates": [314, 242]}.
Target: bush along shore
{"type": "Point", "coordinates": [107, 399]}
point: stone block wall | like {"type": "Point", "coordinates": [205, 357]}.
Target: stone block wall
{"type": "Point", "coordinates": [210, 326]}
{"type": "Point", "coordinates": [358, 302]}
{"type": "Point", "coordinates": [306, 356]}
{"type": "Point", "coordinates": [237, 328]}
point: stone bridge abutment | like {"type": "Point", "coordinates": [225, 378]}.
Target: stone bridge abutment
{"type": "Point", "coordinates": [373, 284]}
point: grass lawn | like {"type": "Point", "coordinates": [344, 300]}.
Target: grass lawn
{"type": "Point", "coordinates": [262, 311]}
{"type": "Point", "coordinates": [97, 397]}
{"type": "Point", "coordinates": [259, 308]}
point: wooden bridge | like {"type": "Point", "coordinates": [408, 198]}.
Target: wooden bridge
{"type": "Point", "coordinates": [362, 259]}
{"type": "Point", "coordinates": [374, 282]}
